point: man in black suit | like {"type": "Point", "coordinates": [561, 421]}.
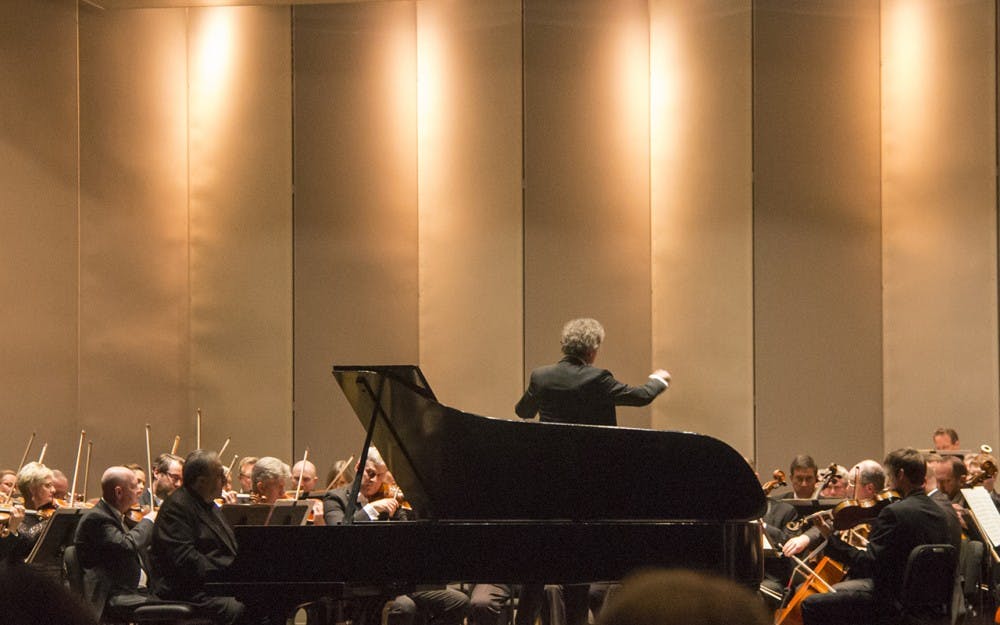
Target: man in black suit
{"type": "Point", "coordinates": [575, 391]}
{"type": "Point", "coordinates": [115, 559]}
{"type": "Point", "coordinates": [192, 542]}
{"type": "Point", "coordinates": [877, 572]}
{"type": "Point", "coordinates": [572, 391]}
{"type": "Point", "coordinates": [439, 607]}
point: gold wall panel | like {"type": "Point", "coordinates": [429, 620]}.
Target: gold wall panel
{"type": "Point", "coordinates": [586, 200]}
{"type": "Point", "coordinates": [469, 162]}
{"type": "Point", "coordinates": [939, 214]}
{"type": "Point", "coordinates": [817, 298]}
{"type": "Point", "coordinates": [38, 230]}
{"type": "Point", "coordinates": [702, 216]}
{"type": "Point", "coordinates": [356, 280]}
{"type": "Point", "coordinates": [240, 129]}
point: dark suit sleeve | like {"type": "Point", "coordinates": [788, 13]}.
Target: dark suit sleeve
{"type": "Point", "coordinates": [177, 534]}
{"type": "Point", "coordinates": [335, 508]}
{"type": "Point", "coordinates": [99, 538]}
{"type": "Point", "coordinates": [624, 395]}
{"type": "Point", "coordinates": [527, 407]}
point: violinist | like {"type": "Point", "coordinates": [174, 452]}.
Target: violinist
{"type": "Point", "coordinates": [61, 484]}
{"type": "Point", "coordinates": [440, 607]}
{"type": "Point", "coordinates": [115, 560]}
{"type": "Point", "coordinates": [871, 593]}
{"type": "Point", "coordinates": [269, 477]}
{"type": "Point", "coordinates": [950, 473]}
{"type": "Point", "coordinates": [836, 485]}
{"type": "Point", "coordinates": [307, 472]}
{"type": "Point", "coordinates": [34, 481]}
{"type": "Point", "coordinates": [167, 477]}
{"type": "Point", "coordinates": [8, 484]}
{"type": "Point", "coordinates": [246, 474]}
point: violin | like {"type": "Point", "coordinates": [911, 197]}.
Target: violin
{"type": "Point", "coordinates": [779, 480]}
{"type": "Point", "coordinates": [852, 512]}
{"type": "Point", "coordinates": [986, 471]}
{"type": "Point", "coordinates": [393, 491]}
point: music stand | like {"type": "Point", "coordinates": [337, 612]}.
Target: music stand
{"type": "Point", "coordinates": [284, 512]}
{"type": "Point", "coordinates": [986, 517]}
{"type": "Point", "coordinates": [47, 553]}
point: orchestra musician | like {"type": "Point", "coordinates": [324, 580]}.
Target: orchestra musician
{"type": "Point", "coordinates": [192, 541]}
{"type": "Point", "coordinates": [946, 439]}
{"type": "Point", "coordinates": [269, 478]}
{"type": "Point", "coordinates": [949, 474]}
{"type": "Point", "coordinates": [115, 560]}
{"type": "Point", "coordinates": [340, 474]}
{"type": "Point", "coordinates": [305, 470]}
{"type": "Point", "coordinates": [804, 475]}
{"type": "Point", "coordinates": [34, 481]}
{"type": "Point", "coordinates": [836, 486]}
{"type": "Point", "coordinates": [167, 477]}
{"type": "Point", "coordinates": [438, 607]}
{"type": "Point", "coordinates": [8, 485]}
{"type": "Point", "coordinates": [246, 473]}
{"type": "Point", "coordinates": [61, 484]}
{"type": "Point", "coordinates": [876, 573]}
{"type": "Point", "coordinates": [575, 391]}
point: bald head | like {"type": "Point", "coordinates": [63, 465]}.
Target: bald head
{"type": "Point", "coordinates": [120, 488]}
{"type": "Point", "coordinates": [307, 471]}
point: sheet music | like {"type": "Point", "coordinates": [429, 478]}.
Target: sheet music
{"type": "Point", "coordinates": [984, 512]}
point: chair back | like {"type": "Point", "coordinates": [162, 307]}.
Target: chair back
{"type": "Point", "coordinates": [72, 569]}
{"type": "Point", "coordinates": [929, 580]}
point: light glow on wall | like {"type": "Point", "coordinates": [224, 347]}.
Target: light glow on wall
{"type": "Point", "coordinates": [907, 67]}
{"type": "Point", "coordinates": [214, 51]}
{"type": "Point", "coordinates": [665, 73]}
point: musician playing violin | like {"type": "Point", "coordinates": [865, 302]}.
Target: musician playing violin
{"type": "Point", "coordinates": [875, 573]}
{"type": "Point", "coordinates": [8, 481]}
{"type": "Point", "coordinates": [307, 472]}
{"type": "Point", "coordinates": [115, 559]}
{"type": "Point", "coordinates": [270, 482]}
{"type": "Point", "coordinates": [34, 481]}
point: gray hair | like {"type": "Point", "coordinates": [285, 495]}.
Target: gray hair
{"type": "Point", "coordinates": [581, 336]}
{"type": "Point", "coordinates": [871, 472]}
{"type": "Point", "coordinates": [268, 468]}
{"type": "Point", "coordinates": [31, 475]}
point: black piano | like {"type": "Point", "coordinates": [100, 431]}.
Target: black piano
{"type": "Point", "coordinates": [514, 501]}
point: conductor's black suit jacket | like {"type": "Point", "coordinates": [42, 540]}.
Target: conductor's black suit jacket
{"type": "Point", "coordinates": [572, 391]}
{"type": "Point", "coordinates": [192, 544]}
{"type": "Point", "coordinates": [110, 554]}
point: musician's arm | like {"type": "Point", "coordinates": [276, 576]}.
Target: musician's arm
{"type": "Point", "coordinates": [527, 406]}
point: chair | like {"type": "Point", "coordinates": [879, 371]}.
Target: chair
{"type": "Point", "coordinates": [160, 612]}
{"type": "Point", "coordinates": [970, 570]}
{"type": "Point", "coordinates": [929, 585]}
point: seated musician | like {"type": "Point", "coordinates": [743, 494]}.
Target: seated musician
{"type": "Point", "coordinates": [946, 439]}
{"type": "Point", "coordinates": [8, 486]}
{"type": "Point", "coordinates": [61, 484]}
{"type": "Point", "coordinates": [192, 541]}
{"type": "Point", "coordinates": [804, 478]}
{"type": "Point", "coordinates": [876, 573]}
{"type": "Point", "coordinates": [836, 485]}
{"type": "Point", "coordinates": [437, 607]}
{"type": "Point", "coordinates": [34, 481]}
{"type": "Point", "coordinates": [340, 474]}
{"type": "Point", "coordinates": [167, 477]}
{"type": "Point", "coordinates": [115, 560]}
{"type": "Point", "coordinates": [304, 477]}
{"type": "Point", "coordinates": [246, 474]}
{"type": "Point", "coordinates": [950, 473]}
{"type": "Point", "coordinates": [269, 478]}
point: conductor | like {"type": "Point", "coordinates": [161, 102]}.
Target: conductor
{"type": "Point", "coordinates": [575, 391]}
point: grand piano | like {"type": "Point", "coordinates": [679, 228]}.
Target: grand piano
{"type": "Point", "coordinates": [513, 501]}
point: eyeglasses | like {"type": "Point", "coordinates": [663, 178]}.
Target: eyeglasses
{"type": "Point", "coordinates": [175, 477]}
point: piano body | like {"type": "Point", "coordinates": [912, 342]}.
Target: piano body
{"type": "Point", "coordinates": [514, 501]}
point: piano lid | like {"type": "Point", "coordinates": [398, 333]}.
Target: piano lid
{"type": "Point", "coordinates": [460, 466]}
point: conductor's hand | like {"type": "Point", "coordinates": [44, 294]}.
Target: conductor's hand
{"type": "Point", "coordinates": [662, 373]}
{"type": "Point", "coordinates": [387, 506]}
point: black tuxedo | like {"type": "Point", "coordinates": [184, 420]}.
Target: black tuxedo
{"type": "Point", "coordinates": [112, 557]}
{"type": "Point", "coordinates": [192, 543]}
{"type": "Point", "coordinates": [572, 391]}
{"type": "Point", "coordinates": [335, 508]}
{"type": "Point", "coordinates": [913, 521]}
